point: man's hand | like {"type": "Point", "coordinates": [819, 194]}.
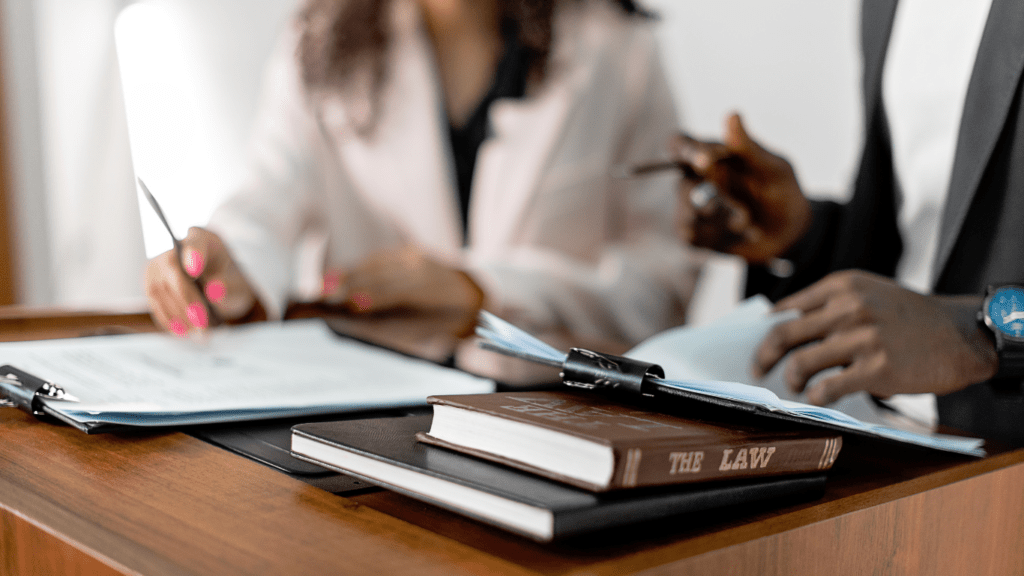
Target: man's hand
{"type": "Point", "coordinates": [405, 278]}
{"type": "Point", "coordinates": [174, 298]}
{"type": "Point", "coordinates": [765, 210]}
{"type": "Point", "coordinates": [887, 340]}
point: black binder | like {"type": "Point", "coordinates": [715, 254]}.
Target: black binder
{"type": "Point", "coordinates": [384, 451]}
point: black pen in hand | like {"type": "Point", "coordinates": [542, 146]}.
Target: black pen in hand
{"type": "Point", "coordinates": [707, 199]}
{"type": "Point", "coordinates": [214, 318]}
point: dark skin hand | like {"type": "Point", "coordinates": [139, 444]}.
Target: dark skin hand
{"type": "Point", "coordinates": [887, 339]}
{"type": "Point", "coordinates": [767, 211]}
{"type": "Point", "coordinates": [884, 338]}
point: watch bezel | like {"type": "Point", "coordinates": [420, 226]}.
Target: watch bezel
{"type": "Point", "coordinates": [999, 332]}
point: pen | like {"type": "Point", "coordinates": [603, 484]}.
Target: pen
{"type": "Point", "coordinates": [640, 170]}
{"type": "Point", "coordinates": [706, 197]}
{"type": "Point", "coordinates": [178, 251]}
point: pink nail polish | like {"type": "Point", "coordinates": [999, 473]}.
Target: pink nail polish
{"type": "Point", "coordinates": [329, 284]}
{"type": "Point", "coordinates": [362, 301]}
{"type": "Point", "coordinates": [177, 327]}
{"type": "Point", "coordinates": [197, 315]}
{"type": "Point", "coordinates": [193, 262]}
{"type": "Point", "coordinates": [216, 291]}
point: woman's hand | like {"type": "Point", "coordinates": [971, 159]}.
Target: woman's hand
{"type": "Point", "coordinates": [172, 287]}
{"type": "Point", "coordinates": [408, 279]}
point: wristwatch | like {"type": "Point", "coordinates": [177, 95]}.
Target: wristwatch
{"type": "Point", "coordinates": [1003, 313]}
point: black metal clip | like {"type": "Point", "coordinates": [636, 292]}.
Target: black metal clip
{"type": "Point", "coordinates": [19, 389]}
{"type": "Point", "coordinates": [588, 369]}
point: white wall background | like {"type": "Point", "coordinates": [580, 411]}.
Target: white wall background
{"type": "Point", "coordinates": [790, 66]}
{"type": "Point", "coordinates": [192, 78]}
{"type": "Point", "coordinates": [29, 221]}
{"type": "Point", "coordinates": [76, 211]}
{"type": "Point", "coordinates": [94, 227]}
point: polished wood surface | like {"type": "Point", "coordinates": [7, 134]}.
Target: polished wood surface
{"type": "Point", "coordinates": [21, 323]}
{"type": "Point", "coordinates": [166, 503]}
{"type": "Point", "coordinates": [890, 513]}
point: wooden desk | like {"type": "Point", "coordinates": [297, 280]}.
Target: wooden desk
{"type": "Point", "coordinates": [170, 504]}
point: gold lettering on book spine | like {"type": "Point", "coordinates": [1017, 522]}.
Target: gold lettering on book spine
{"type": "Point", "coordinates": [632, 467]}
{"type": "Point", "coordinates": [759, 456]}
{"type": "Point", "coordinates": [726, 464]}
{"type": "Point", "coordinates": [680, 462]}
{"type": "Point", "coordinates": [828, 456]}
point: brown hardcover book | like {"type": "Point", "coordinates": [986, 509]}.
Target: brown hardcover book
{"type": "Point", "coordinates": [585, 440]}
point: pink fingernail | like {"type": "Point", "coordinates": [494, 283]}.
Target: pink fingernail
{"type": "Point", "coordinates": [216, 291]}
{"type": "Point", "coordinates": [193, 262]}
{"type": "Point", "coordinates": [178, 327]}
{"type": "Point", "coordinates": [362, 301]}
{"type": "Point", "coordinates": [329, 284]}
{"type": "Point", "coordinates": [197, 315]}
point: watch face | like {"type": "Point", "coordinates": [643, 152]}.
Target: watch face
{"type": "Point", "coordinates": [1005, 311]}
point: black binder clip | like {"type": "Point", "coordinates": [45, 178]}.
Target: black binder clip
{"type": "Point", "coordinates": [590, 370]}
{"type": "Point", "coordinates": [20, 389]}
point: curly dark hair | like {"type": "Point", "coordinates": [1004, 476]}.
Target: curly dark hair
{"type": "Point", "coordinates": [340, 36]}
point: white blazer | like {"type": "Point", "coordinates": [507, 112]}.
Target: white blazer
{"type": "Point", "coordinates": [555, 239]}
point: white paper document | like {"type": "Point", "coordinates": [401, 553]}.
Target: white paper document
{"type": "Point", "coordinates": [261, 370]}
{"type": "Point", "coordinates": [714, 360]}
{"type": "Point", "coordinates": [724, 351]}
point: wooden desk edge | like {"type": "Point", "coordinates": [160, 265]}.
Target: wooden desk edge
{"type": "Point", "coordinates": [19, 323]}
{"type": "Point", "coordinates": [28, 322]}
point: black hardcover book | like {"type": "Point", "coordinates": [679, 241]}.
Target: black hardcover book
{"type": "Point", "coordinates": [385, 452]}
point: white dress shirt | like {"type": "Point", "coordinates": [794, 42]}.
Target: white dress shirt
{"type": "Point", "coordinates": [927, 70]}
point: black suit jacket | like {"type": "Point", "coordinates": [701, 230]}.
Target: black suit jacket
{"type": "Point", "coordinates": [981, 240]}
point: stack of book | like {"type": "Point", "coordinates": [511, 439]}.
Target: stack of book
{"type": "Point", "coordinates": [554, 464]}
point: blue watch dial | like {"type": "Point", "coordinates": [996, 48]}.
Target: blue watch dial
{"type": "Point", "coordinates": [1006, 311]}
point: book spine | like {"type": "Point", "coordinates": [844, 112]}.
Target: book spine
{"type": "Point", "coordinates": [660, 465]}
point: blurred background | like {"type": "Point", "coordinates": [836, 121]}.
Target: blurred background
{"type": "Point", "coordinates": [76, 236]}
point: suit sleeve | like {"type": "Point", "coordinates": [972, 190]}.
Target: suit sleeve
{"type": "Point", "coordinates": [862, 233]}
{"type": "Point", "coordinates": [811, 257]}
